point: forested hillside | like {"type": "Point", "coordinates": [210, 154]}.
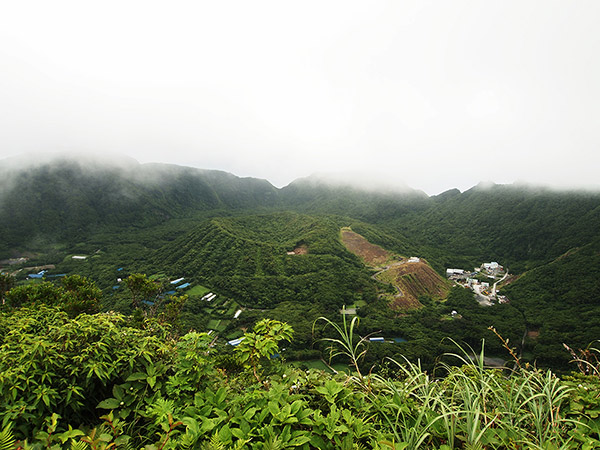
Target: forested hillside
{"type": "Point", "coordinates": [315, 195]}
{"type": "Point", "coordinates": [267, 259]}
{"type": "Point", "coordinates": [66, 200]}
{"type": "Point", "coordinates": [277, 253]}
{"type": "Point", "coordinates": [560, 302]}
{"type": "Point", "coordinates": [519, 225]}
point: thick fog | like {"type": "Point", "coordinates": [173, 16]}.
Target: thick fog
{"type": "Point", "coordinates": [433, 95]}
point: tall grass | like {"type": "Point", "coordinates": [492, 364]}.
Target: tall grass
{"type": "Point", "coordinates": [476, 407]}
{"type": "Point", "coordinates": [470, 407]}
{"type": "Point", "coordinates": [347, 342]}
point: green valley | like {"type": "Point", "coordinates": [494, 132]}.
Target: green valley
{"type": "Point", "coordinates": [166, 297]}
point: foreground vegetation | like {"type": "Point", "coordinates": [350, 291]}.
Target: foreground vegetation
{"type": "Point", "coordinates": [104, 380]}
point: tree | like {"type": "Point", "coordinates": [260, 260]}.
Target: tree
{"type": "Point", "coordinates": [6, 283]}
{"type": "Point", "coordinates": [141, 288]}
{"type": "Point", "coordinates": [76, 295]}
{"type": "Point", "coordinates": [80, 295]}
{"type": "Point", "coordinates": [262, 343]}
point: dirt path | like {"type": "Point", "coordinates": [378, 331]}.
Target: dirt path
{"type": "Point", "coordinates": [385, 269]}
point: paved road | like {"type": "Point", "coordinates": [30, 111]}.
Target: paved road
{"type": "Point", "coordinates": [496, 283]}
{"type": "Point", "coordinates": [484, 300]}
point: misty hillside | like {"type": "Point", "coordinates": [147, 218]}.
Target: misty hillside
{"type": "Point", "coordinates": [521, 226]}
{"type": "Point", "coordinates": [369, 202]}
{"type": "Point", "coordinates": [66, 201]}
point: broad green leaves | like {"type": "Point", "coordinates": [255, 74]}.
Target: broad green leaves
{"type": "Point", "coordinates": [263, 342]}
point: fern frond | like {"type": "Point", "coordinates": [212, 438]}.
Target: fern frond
{"type": "Point", "coordinates": [7, 439]}
{"type": "Point", "coordinates": [78, 445]}
{"type": "Point", "coordinates": [215, 443]}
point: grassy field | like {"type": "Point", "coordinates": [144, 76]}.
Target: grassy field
{"type": "Point", "coordinates": [213, 324]}
{"type": "Point", "coordinates": [357, 304]}
{"type": "Point", "coordinates": [198, 291]}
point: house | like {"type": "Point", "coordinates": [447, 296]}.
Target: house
{"type": "Point", "coordinates": [414, 259]}
{"type": "Point", "coordinates": [376, 339]}
{"type": "Point", "coordinates": [455, 273]}
{"type": "Point", "coordinates": [80, 258]}
{"type": "Point", "coordinates": [237, 314]}
{"type": "Point", "coordinates": [178, 280]}
{"type": "Point", "coordinates": [492, 267]}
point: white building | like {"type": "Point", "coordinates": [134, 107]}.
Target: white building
{"type": "Point", "coordinates": [453, 272]}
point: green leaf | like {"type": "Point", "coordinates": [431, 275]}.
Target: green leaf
{"type": "Point", "coordinates": [249, 413]}
{"type": "Point", "coordinates": [109, 403]}
{"type": "Point", "coordinates": [151, 381]}
{"type": "Point", "coordinates": [136, 376]}
{"type": "Point", "coordinates": [238, 433]}
{"type": "Point", "coordinates": [207, 425]}
{"type": "Point", "coordinates": [299, 440]}
{"type": "Point", "coordinates": [69, 434]}
{"type": "Point", "coordinates": [122, 440]}
{"type": "Point", "coordinates": [225, 434]}
{"type": "Point", "coordinates": [273, 408]}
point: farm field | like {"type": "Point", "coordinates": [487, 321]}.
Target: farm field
{"type": "Point", "coordinates": [198, 291]}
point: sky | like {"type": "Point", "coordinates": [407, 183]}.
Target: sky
{"type": "Point", "coordinates": [435, 95]}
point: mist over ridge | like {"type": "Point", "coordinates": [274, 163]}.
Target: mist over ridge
{"type": "Point", "coordinates": [377, 182]}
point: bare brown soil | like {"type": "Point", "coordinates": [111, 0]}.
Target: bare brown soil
{"type": "Point", "coordinates": [371, 254]}
{"type": "Point", "coordinates": [302, 250]}
{"type": "Point", "coordinates": [411, 279]}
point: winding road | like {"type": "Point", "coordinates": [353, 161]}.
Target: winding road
{"type": "Point", "coordinates": [386, 268]}
{"type": "Point", "coordinates": [496, 283]}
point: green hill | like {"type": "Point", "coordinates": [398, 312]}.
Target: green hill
{"type": "Point", "coordinates": [66, 200]}
{"type": "Point", "coordinates": [560, 302]}
{"type": "Point", "coordinates": [518, 225]}
{"type": "Point", "coordinates": [251, 258]}
{"type": "Point", "coordinates": [278, 251]}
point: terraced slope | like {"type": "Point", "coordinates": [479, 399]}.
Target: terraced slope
{"type": "Point", "coordinates": [414, 279]}
{"type": "Point", "coordinates": [411, 278]}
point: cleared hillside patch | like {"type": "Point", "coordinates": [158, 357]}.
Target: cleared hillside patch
{"type": "Point", "coordinates": [413, 280]}
{"type": "Point", "coordinates": [371, 254]}
{"type": "Point", "coordinates": [410, 279]}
